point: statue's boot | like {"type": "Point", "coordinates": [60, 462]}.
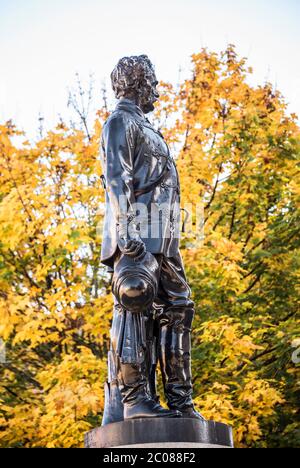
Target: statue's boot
{"type": "Point", "coordinates": [175, 359]}
{"type": "Point", "coordinates": [133, 374]}
{"type": "Point", "coordinates": [113, 407]}
{"type": "Point", "coordinates": [136, 400]}
{"type": "Point", "coordinates": [130, 391]}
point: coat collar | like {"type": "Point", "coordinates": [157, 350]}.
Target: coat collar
{"type": "Point", "coordinates": [129, 105]}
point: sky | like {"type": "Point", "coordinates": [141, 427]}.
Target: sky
{"type": "Point", "coordinates": [44, 43]}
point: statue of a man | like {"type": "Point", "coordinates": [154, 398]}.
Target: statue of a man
{"type": "Point", "coordinates": [138, 171]}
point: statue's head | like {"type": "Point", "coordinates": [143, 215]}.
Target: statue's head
{"type": "Point", "coordinates": [134, 78]}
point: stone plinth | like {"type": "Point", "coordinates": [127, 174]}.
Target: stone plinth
{"type": "Point", "coordinates": [161, 432]}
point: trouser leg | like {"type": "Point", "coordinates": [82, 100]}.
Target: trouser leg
{"type": "Point", "coordinates": [132, 377]}
{"type": "Point", "coordinates": [175, 322]}
{"type": "Point", "coordinates": [113, 407]}
{"type": "Point", "coordinates": [134, 364]}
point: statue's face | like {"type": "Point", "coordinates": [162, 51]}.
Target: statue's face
{"type": "Point", "coordinates": [150, 95]}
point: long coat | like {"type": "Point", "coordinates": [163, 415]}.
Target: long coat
{"type": "Point", "coordinates": [134, 154]}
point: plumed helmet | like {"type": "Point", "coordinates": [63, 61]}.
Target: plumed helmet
{"type": "Point", "coordinates": [135, 283]}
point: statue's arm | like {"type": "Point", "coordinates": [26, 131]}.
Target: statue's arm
{"type": "Point", "coordinates": [118, 143]}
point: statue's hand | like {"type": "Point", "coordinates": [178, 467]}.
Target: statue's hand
{"type": "Point", "coordinates": [133, 248]}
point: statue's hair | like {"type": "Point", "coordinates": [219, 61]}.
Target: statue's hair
{"type": "Point", "coordinates": [131, 75]}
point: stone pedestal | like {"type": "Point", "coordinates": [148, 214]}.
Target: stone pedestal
{"type": "Point", "coordinates": [161, 432]}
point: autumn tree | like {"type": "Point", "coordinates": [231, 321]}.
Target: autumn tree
{"type": "Point", "coordinates": [237, 151]}
{"type": "Point", "coordinates": [240, 157]}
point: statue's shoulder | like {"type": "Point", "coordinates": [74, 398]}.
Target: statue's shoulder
{"type": "Point", "coordinates": [121, 117]}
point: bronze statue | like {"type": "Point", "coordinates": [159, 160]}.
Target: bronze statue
{"type": "Point", "coordinates": [153, 311]}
